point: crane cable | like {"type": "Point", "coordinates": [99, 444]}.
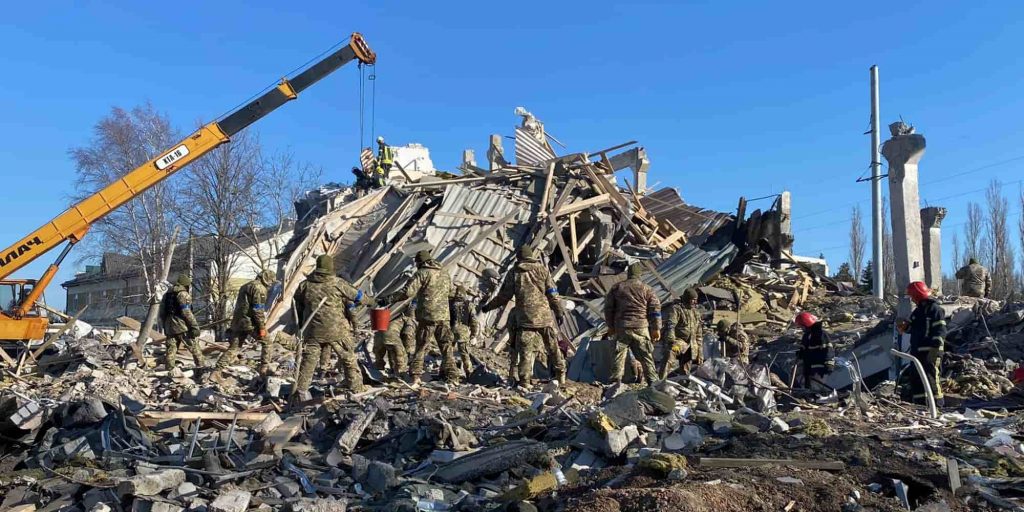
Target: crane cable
{"type": "Point", "coordinates": [362, 108]}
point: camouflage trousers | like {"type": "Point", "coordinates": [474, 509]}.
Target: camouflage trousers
{"type": "Point", "coordinates": [532, 341]}
{"type": "Point", "coordinates": [235, 342]}
{"type": "Point", "coordinates": [679, 354]}
{"type": "Point", "coordinates": [513, 354]}
{"type": "Point", "coordinates": [347, 363]}
{"type": "Point", "coordinates": [390, 351]}
{"type": "Point", "coordinates": [462, 335]}
{"type": "Point", "coordinates": [192, 344]}
{"type": "Point", "coordinates": [426, 333]}
{"type": "Point", "coordinates": [637, 341]}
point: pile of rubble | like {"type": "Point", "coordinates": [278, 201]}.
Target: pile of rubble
{"type": "Point", "coordinates": [85, 426]}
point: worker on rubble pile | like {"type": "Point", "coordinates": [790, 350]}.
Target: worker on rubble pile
{"type": "Point", "coordinates": [976, 281]}
{"type": "Point", "coordinates": [816, 348]}
{"type": "Point", "coordinates": [490, 282]}
{"type": "Point", "coordinates": [249, 321]}
{"type": "Point", "coordinates": [927, 339]}
{"type": "Point", "coordinates": [734, 340]}
{"type": "Point", "coordinates": [464, 325]}
{"type": "Point", "coordinates": [396, 344]}
{"type": "Point", "coordinates": [385, 159]}
{"type": "Point", "coordinates": [431, 286]}
{"type": "Point", "coordinates": [180, 325]}
{"type": "Point", "coordinates": [538, 306]}
{"type": "Point", "coordinates": [682, 335]}
{"type": "Point", "coordinates": [633, 314]}
{"type": "Point", "coordinates": [328, 327]}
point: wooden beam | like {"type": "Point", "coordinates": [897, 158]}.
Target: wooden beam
{"type": "Point", "coordinates": [573, 241]}
{"type": "Point", "coordinates": [467, 216]}
{"type": "Point", "coordinates": [577, 206]}
{"type": "Point", "coordinates": [483, 256]}
{"type": "Point", "coordinates": [827, 465]}
{"type": "Point", "coordinates": [544, 198]}
{"type": "Point", "coordinates": [661, 279]}
{"type": "Point", "coordinates": [67, 325]}
{"type": "Point", "coordinates": [556, 229]}
{"type": "Point", "coordinates": [408, 179]}
{"type": "Point", "coordinates": [479, 239]}
{"type": "Point", "coordinates": [203, 415]}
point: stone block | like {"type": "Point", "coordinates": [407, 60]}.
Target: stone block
{"type": "Point", "coordinates": [152, 483]}
{"type": "Point", "coordinates": [231, 501]}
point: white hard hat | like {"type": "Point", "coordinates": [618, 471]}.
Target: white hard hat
{"type": "Point", "coordinates": [380, 139]}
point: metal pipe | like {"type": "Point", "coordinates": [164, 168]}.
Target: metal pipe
{"type": "Point", "coordinates": [878, 273]}
{"type": "Point", "coordinates": [924, 380]}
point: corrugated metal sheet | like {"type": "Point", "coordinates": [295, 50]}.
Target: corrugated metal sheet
{"type": "Point", "coordinates": [448, 233]}
{"type": "Point", "coordinates": [689, 266]}
{"type": "Point", "coordinates": [692, 220]}
{"type": "Point", "coordinates": [530, 151]}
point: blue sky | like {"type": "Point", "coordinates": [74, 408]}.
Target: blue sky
{"type": "Point", "coordinates": [729, 99]}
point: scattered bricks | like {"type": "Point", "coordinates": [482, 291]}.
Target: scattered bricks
{"type": "Point", "coordinates": [288, 487]}
{"type": "Point", "coordinates": [348, 438]}
{"type": "Point", "coordinates": [231, 501]}
{"type": "Point", "coordinates": [151, 484]}
{"type": "Point", "coordinates": [28, 416]}
{"type": "Point", "coordinates": [318, 505]}
{"type": "Point", "coordinates": [78, 447]}
{"type": "Point", "coordinates": [283, 433]}
{"type": "Point", "coordinates": [268, 424]}
{"type": "Point", "coordinates": [380, 477]}
{"type": "Point", "coordinates": [779, 426]}
{"type": "Point", "coordinates": [186, 491]}
{"type": "Point", "coordinates": [617, 441]}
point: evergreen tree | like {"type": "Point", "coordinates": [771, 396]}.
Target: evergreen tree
{"type": "Point", "coordinates": [867, 278]}
{"type": "Point", "coordinates": [844, 273]}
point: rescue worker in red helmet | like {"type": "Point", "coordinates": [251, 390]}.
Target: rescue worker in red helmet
{"type": "Point", "coordinates": [816, 350]}
{"type": "Point", "coordinates": [927, 339]}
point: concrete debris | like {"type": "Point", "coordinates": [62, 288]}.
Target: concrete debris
{"type": "Point", "coordinates": [85, 426]}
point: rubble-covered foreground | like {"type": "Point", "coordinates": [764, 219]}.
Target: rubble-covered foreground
{"type": "Point", "coordinates": [87, 434]}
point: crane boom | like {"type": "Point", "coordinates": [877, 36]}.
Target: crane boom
{"type": "Point", "coordinates": [71, 225]}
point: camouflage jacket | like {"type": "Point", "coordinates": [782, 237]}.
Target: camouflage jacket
{"type": "Point", "coordinates": [737, 344]}
{"type": "Point", "coordinates": [177, 311]}
{"type": "Point", "coordinates": [683, 326]}
{"type": "Point", "coordinates": [463, 314]}
{"type": "Point", "coordinates": [330, 322]}
{"type": "Point", "coordinates": [536, 296]}
{"type": "Point", "coordinates": [977, 281]}
{"type": "Point", "coordinates": [631, 304]}
{"type": "Point", "coordinates": [250, 307]}
{"type": "Point", "coordinates": [430, 286]}
{"type": "Point", "coordinates": [401, 331]}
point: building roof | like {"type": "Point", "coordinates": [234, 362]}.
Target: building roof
{"type": "Point", "coordinates": [666, 204]}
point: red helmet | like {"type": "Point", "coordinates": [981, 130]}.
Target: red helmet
{"type": "Point", "coordinates": [918, 291]}
{"type": "Point", "coordinates": [806, 320]}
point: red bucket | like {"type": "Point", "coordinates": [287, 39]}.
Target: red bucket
{"type": "Point", "coordinates": [380, 319]}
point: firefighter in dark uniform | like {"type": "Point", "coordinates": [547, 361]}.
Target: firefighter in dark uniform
{"type": "Point", "coordinates": [927, 339]}
{"type": "Point", "coordinates": [816, 350]}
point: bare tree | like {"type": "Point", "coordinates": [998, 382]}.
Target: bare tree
{"type": "Point", "coordinates": [857, 242]}
{"type": "Point", "coordinates": [1020, 235]}
{"type": "Point", "coordinates": [283, 182]}
{"type": "Point", "coordinates": [998, 237]}
{"type": "Point", "coordinates": [221, 198]}
{"type": "Point", "coordinates": [973, 231]}
{"type": "Point", "coordinates": [122, 141]}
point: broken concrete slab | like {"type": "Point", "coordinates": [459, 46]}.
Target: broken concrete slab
{"type": "Point", "coordinates": [235, 500]}
{"type": "Point", "coordinates": [348, 438]}
{"type": "Point", "coordinates": [151, 484]}
{"type": "Point", "coordinates": [493, 460]}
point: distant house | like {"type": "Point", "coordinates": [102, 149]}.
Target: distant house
{"type": "Point", "coordinates": [116, 287]}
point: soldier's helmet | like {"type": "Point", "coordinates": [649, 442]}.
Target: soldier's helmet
{"type": "Point", "coordinates": [325, 264]}
{"type": "Point", "coordinates": [689, 295]}
{"type": "Point", "coordinates": [527, 253]}
{"type": "Point", "coordinates": [635, 271]}
{"type": "Point", "coordinates": [184, 280]}
{"type": "Point", "coordinates": [267, 276]}
{"type": "Point", "coordinates": [723, 326]}
{"type": "Point", "coordinates": [490, 273]}
{"type": "Point", "coordinates": [423, 257]}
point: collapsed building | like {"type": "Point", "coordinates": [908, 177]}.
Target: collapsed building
{"type": "Point", "coordinates": [85, 427]}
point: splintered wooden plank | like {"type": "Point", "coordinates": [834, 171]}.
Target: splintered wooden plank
{"type": "Point", "coordinates": [556, 229]}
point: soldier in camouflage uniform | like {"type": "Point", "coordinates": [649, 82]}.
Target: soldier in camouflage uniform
{"type": "Point", "coordinates": [734, 340]}
{"type": "Point", "coordinates": [977, 282]}
{"type": "Point", "coordinates": [682, 335]}
{"type": "Point", "coordinates": [537, 307]}
{"type": "Point", "coordinates": [250, 321]}
{"type": "Point", "coordinates": [431, 286]}
{"type": "Point", "coordinates": [464, 325]}
{"type": "Point", "coordinates": [633, 314]}
{"type": "Point", "coordinates": [490, 282]}
{"type": "Point", "coordinates": [329, 328]}
{"type": "Point", "coordinates": [180, 325]}
{"type": "Point", "coordinates": [392, 346]}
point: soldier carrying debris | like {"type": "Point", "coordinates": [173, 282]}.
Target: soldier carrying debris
{"type": "Point", "coordinates": [976, 280]}
{"type": "Point", "coordinates": [735, 342]}
{"type": "Point", "coordinates": [490, 282]}
{"type": "Point", "coordinates": [396, 344]}
{"type": "Point", "coordinates": [537, 307]}
{"type": "Point", "coordinates": [180, 324]}
{"type": "Point", "coordinates": [249, 321]}
{"type": "Point", "coordinates": [431, 287]}
{"type": "Point", "coordinates": [633, 314]}
{"type": "Point", "coordinates": [816, 351]}
{"type": "Point", "coordinates": [682, 335]}
{"type": "Point", "coordinates": [328, 328]}
{"type": "Point", "coordinates": [927, 337]}
{"type": "Point", "coordinates": [464, 325]}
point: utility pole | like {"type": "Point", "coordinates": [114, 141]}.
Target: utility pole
{"type": "Point", "coordinates": [878, 274]}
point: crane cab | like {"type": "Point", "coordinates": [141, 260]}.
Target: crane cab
{"type": "Point", "coordinates": [32, 325]}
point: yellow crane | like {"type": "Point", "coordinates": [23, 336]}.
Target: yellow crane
{"type": "Point", "coordinates": [19, 319]}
